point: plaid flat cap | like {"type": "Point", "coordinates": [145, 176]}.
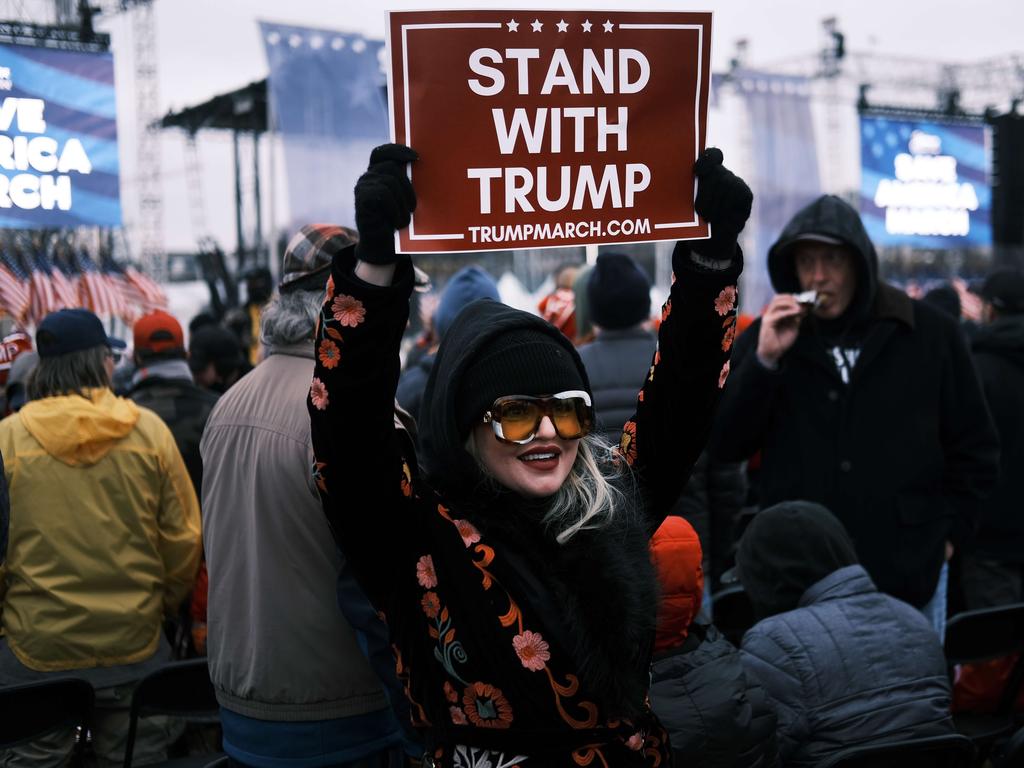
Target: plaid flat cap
{"type": "Point", "coordinates": [307, 259]}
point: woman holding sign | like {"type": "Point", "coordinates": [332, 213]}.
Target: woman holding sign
{"type": "Point", "coordinates": [510, 559]}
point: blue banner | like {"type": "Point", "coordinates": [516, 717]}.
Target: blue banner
{"type": "Point", "coordinates": [925, 183]}
{"type": "Point", "coordinates": [328, 101]}
{"type": "Point", "coordinates": [58, 139]}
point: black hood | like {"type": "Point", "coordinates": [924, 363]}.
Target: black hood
{"type": "Point", "coordinates": [832, 217]}
{"type": "Point", "coordinates": [449, 468]}
{"type": "Point", "coordinates": [787, 549]}
{"type": "Point", "coordinates": [1004, 337]}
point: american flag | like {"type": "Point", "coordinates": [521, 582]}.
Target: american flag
{"type": "Point", "coordinates": [96, 292]}
{"type": "Point", "coordinates": [153, 295]}
{"type": "Point", "coordinates": [15, 295]}
{"type": "Point", "coordinates": [130, 298]}
{"type": "Point", "coordinates": [65, 282]}
{"type": "Point", "coordinates": [44, 297]}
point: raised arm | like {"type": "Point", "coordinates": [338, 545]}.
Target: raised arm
{"type": "Point", "coordinates": [364, 467]}
{"type": "Point", "coordinates": [676, 405]}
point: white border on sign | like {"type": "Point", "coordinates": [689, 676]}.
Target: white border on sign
{"type": "Point", "coordinates": [491, 25]}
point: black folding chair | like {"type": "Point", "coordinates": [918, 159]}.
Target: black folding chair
{"type": "Point", "coordinates": [952, 751]}
{"type": "Point", "coordinates": [180, 689]}
{"type": "Point", "coordinates": [983, 635]}
{"type": "Point", "coordinates": [732, 613]}
{"type": "Point", "coordinates": [31, 710]}
{"type": "Point", "coordinates": [1010, 754]}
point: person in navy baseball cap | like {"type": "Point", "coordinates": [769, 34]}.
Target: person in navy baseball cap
{"type": "Point", "coordinates": [72, 330]}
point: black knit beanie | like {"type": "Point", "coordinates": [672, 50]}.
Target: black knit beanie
{"type": "Point", "coordinates": [520, 362]}
{"type": "Point", "coordinates": [619, 292]}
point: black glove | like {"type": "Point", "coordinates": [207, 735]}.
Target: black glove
{"type": "Point", "coordinates": [723, 200]}
{"type": "Point", "coordinates": [385, 201]}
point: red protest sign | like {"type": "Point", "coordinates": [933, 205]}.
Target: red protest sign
{"type": "Point", "coordinates": [549, 128]}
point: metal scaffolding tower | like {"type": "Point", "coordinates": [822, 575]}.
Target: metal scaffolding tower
{"type": "Point", "coordinates": [149, 234]}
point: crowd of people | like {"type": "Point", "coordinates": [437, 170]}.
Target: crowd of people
{"type": "Point", "coordinates": [508, 551]}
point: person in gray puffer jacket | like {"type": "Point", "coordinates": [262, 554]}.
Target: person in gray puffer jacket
{"type": "Point", "coordinates": [843, 664]}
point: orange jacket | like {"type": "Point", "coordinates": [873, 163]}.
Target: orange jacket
{"type": "Point", "coordinates": [677, 556]}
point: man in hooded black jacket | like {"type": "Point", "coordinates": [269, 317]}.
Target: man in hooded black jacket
{"type": "Point", "coordinates": [993, 566]}
{"type": "Point", "coordinates": [864, 400]}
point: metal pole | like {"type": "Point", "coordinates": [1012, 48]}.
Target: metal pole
{"type": "Point", "coordinates": [240, 249]}
{"type": "Point", "coordinates": [256, 193]}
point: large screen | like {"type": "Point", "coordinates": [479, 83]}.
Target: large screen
{"type": "Point", "coordinates": [58, 139]}
{"type": "Point", "coordinates": [925, 183]}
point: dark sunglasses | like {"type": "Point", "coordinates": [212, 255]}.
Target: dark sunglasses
{"type": "Point", "coordinates": [516, 418]}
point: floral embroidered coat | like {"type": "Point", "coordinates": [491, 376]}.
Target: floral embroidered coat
{"type": "Point", "coordinates": [479, 666]}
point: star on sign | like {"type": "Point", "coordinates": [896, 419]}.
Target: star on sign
{"type": "Point", "coordinates": [608, 26]}
{"type": "Point", "coordinates": [562, 26]}
{"type": "Point", "coordinates": [586, 25]}
{"type": "Point", "coordinates": [513, 25]}
{"type": "Point", "coordinates": [537, 25]}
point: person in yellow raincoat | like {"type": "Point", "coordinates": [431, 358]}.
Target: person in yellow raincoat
{"type": "Point", "coordinates": [104, 538]}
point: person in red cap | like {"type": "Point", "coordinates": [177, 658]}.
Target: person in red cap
{"type": "Point", "coordinates": [163, 383]}
{"type": "Point", "coordinates": [714, 714]}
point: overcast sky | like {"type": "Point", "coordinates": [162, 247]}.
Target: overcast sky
{"type": "Point", "coordinates": [209, 46]}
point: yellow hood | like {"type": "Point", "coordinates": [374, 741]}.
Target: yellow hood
{"type": "Point", "coordinates": [79, 430]}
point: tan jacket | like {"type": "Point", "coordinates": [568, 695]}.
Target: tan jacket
{"type": "Point", "coordinates": [278, 646]}
{"type": "Point", "coordinates": [104, 531]}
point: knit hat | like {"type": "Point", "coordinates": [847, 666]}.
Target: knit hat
{"type": "Point", "coordinates": [787, 549]}
{"type": "Point", "coordinates": [520, 362]}
{"type": "Point", "coordinates": [1004, 290]}
{"type": "Point", "coordinates": [307, 259]}
{"type": "Point", "coordinates": [158, 333]}
{"type": "Point", "coordinates": [619, 292]}
{"type": "Point", "coordinates": [467, 285]}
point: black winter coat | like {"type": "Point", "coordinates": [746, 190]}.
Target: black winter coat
{"type": "Point", "coordinates": [506, 640]}
{"type": "Point", "coordinates": [184, 408]}
{"type": "Point", "coordinates": [999, 357]}
{"type": "Point", "coordinates": [716, 716]}
{"type": "Point", "coordinates": [616, 362]}
{"type": "Point", "coordinates": [902, 455]}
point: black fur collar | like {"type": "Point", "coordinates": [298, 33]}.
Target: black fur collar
{"type": "Point", "coordinates": [597, 594]}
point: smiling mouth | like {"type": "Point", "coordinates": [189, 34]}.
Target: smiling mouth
{"type": "Point", "coordinates": [542, 457]}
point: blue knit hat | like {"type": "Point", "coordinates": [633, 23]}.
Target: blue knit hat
{"type": "Point", "coordinates": [465, 286]}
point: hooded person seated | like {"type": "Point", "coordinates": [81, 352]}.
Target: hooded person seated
{"type": "Point", "coordinates": [716, 717]}
{"type": "Point", "coordinates": [843, 664]}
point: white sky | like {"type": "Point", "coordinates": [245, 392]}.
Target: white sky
{"type": "Point", "coordinates": [209, 46]}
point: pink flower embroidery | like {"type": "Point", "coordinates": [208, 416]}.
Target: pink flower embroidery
{"type": "Point", "coordinates": [458, 716]}
{"type": "Point", "coordinates": [726, 300]}
{"type": "Point", "coordinates": [348, 310]}
{"type": "Point", "coordinates": [425, 573]}
{"type": "Point", "coordinates": [723, 375]}
{"type": "Point", "coordinates": [431, 604]}
{"type": "Point", "coordinates": [329, 354]}
{"type": "Point", "coordinates": [532, 650]}
{"type": "Point", "coordinates": [318, 394]}
{"type": "Point", "coordinates": [636, 741]}
{"type": "Point", "coordinates": [730, 336]}
{"type": "Point", "coordinates": [330, 287]}
{"type": "Point", "coordinates": [470, 535]}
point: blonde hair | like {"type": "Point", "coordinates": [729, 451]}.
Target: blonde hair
{"type": "Point", "coordinates": [590, 497]}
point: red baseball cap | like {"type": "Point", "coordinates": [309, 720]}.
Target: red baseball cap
{"type": "Point", "coordinates": [157, 333]}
